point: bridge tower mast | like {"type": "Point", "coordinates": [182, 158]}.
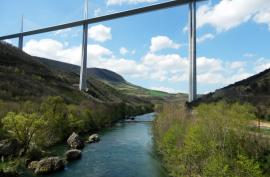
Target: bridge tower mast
{"type": "Point", "coordinates": [20, 45]}
{"type": "Point", "coordinates": [83, 72]}
{"type": "Point", "coordinates": [192, 52]}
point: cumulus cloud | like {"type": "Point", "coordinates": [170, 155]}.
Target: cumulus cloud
{"type": "Point", "coordinates": [53, 49]}
{"type": "Point", "coordinates": [97, 12]}
{"type": "Point", "coordinates": [228, 14]}
{"type": "Point", "coordinates": [8, 41]}
{"type": "Point", "coordinates": [205, 37]}
{"type": "Point", "coordinates": [237, 64]}
{"type": "Point", "coordinates": [263, 17]}
{"type": "Point", "coordinates": [151, 67]}
{"type": "Point", "coordinates": [123, 51]}
{"type": "Point", "coordinates": [249, 55]}
{"type": "Point", "coordinates": [165, 89]}
{"type": "Point", "coordinates": [162, 42]}
{"type": "Point", "coordinates": [120, 2]}
{"type": "Point", "coordinates": [262, 64]}
{"type": "Point", "coordinates": [100, 33]}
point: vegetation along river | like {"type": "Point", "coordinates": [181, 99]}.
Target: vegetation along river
{"type": "Point", "coordinates": [125, 150]}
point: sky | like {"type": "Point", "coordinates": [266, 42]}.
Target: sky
{"type": "Point", "coordinates": [151, 50]}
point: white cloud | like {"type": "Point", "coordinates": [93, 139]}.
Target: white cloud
{"type": "Point", "coordinates": [53, 49]}
{"type": "Point", "coordinates": [249, 55]}
{"type": "Point", "coordinates": [69, 32]}
{"type": "Point", "coordinates": [205, 64]}
{"type": "Point", "coordinates": [262, 64]}
{"type": "Point", "coordinates": [120, 2]}
{"type": "Point", "coordinates": [165, 89]}
{"type": "Point", "coordinates": [205, 37]}
{"type": "Point", "coordinates": [151, 67]}
{"type": "Point", "coordinates": [97, 12]}
{"type": "Point", "coordinates": [62, 31]}
{"type": "Point", "coordinates": [100, 33]}
{"type": "Point", "coordinates": [162, 42]}
{"type": "Point", "coordinates": [237, 64]}
{"type": "Point", "coordinates": [263, 17]}
{"type": "Point", "coordinates": [123, 51]}
{"type": "Point", "coordinates": [228, 14]}
{"type": "Point", "coordinates": [8, 41]}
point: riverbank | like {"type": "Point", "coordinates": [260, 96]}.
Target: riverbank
{"type": "Point", "coordinates": [125, 150]}
{"type": "Point", "coordinates": [215, 140]}
{"type": "Point", "coordinates": [37, 127]}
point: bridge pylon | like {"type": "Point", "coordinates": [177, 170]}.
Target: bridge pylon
{"type": "Point", "coordinates": [192, 52]}
{"type": "Point", "coordinates": [83, 72]}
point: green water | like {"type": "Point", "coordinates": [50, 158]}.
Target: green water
{"type": "Point", "coordinates": [125, 150]}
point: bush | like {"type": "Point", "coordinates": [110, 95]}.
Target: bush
{"type": "Point", "coordinates": [23, 127]}
{"type": "Point", "coordinates": [215, 140]}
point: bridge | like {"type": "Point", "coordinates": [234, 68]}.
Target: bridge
{"type": "Point", "coordinates": [84, 23]}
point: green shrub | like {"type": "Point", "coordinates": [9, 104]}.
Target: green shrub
{"type": "Point", "coordinates": [23, 127]}
{"type": "Point", "coordinates": [215, 140]}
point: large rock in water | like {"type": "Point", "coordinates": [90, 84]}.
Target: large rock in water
{"type": "Point", "coordinates": [75, 142]}
{"type": "Point", "coordinates": [93, 138]}
{"type": "Point", "coordinates": [48, 165]}
{"type": "Point", "coordinates": [73, 154]}
{"type": "Point", "coordinates": [9, 147]}
{"type": "Point", "coordinates": [33, 165]}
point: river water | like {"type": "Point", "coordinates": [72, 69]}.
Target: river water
{"type": "Point", "coordinates": [125, 150]}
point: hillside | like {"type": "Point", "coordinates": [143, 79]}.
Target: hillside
{"type": "Point", "coordinates": [116, 81]}
{"type": "Point", "coordinates": [25, 78]}
{"type": "Point", "coordinates": [254, 90]}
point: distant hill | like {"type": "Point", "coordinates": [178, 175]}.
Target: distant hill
{"type": "Point", "coordinates": [254, 90]}
{"type": "Point", "coordinates": [23, 77]}
{"type": "Point", "coordinates": [116, 81]}
{"type": "Point", "coordinates": [102, 74]}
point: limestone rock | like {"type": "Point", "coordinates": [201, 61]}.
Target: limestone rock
{"type": "Point", "coordinates": [75, 142]}
{"type": "Point", "coordinates": [93, 138]}
{"type": "Point", "coordinates": [73, 154]}
{"type": "Point", "coordinates": [49, 165]}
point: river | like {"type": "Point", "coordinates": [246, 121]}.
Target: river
{"type": "Point", "coordinates": [125, 150]}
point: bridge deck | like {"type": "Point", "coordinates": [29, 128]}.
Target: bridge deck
{"type": "Point", "coordinates": [102, 18]}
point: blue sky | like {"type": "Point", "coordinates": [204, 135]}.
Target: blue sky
{"type": "Point", "coordinates": [151, 50]}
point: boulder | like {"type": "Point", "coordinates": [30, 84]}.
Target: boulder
{"type": "Point", "coordinates": [9, 147]}
{"type": "Point", "coordinates": [32, 165]}
{"type": "Point", "coordinates": [93, 138]}
{"type": "Point", "coordinates": [49, 165]}
{"type": "Point", "coordinates": [75, 142]}
{"type": "Point", "coordinates": [73, 154]}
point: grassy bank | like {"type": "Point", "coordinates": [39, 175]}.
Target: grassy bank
{"type": "Point", "coordinates": [213, 140]}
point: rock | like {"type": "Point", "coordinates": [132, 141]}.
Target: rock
{"type": "Point", "coordinates": [32, 165]}
{"type": "Point", "coordinates": [75, 142]}
{"type": "Point", "coordinates": [49, 165]}
{"type": "Point", "coordinates": [93, 138]}
{"type": "Point", "coordinates": [8, 173]}
{"type": "Point", "coordinates": [73, 154]}
{"type": "Point", "coordinates": [9, 147]}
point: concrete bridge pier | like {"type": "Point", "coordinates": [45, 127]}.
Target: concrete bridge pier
{"type": "Point", "coordinates": [20, 44]}
{"type": "Point", "coordinates": [192, 52]}
{"type": "Point", "coordinates": [83, 72]}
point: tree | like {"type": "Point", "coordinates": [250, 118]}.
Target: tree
{"type": "Point", "coordinates": [23, 127]}
{"type": "Point", "coordinates": [55, 113]}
